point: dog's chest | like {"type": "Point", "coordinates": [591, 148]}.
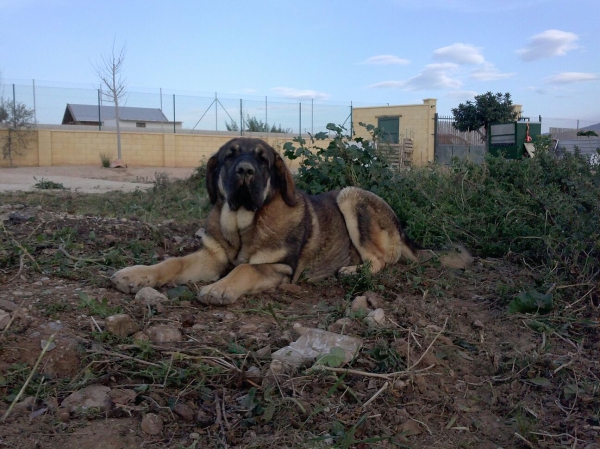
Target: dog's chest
{"type": "Point", "coordinates": [235, 223]}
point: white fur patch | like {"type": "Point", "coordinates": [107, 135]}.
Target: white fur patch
{"type": "Point", "coordinates": [232, 222]}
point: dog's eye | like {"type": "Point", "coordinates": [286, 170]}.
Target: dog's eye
{"type": "Point", "coordinates": [230, 155]}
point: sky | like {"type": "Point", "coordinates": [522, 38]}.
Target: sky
{"type": "Point", "coordinates": [545, 53]}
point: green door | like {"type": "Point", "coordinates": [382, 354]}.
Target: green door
{"type": "Point", "coordinates": [390, 126]}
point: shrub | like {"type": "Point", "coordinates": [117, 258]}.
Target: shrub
{"type": "Point", "coordinates": [105, 159]}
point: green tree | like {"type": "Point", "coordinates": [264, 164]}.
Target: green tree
{"type": "Point", "coordinates": [587, 133]}
{"type": "Point", "coordinates": [487, 108]}
{"type": "Point", "coordinates": [17, 119]}
{"type": "Point", "coordinates": [256, 125]}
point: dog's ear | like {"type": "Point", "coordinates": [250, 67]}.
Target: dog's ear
{"type": "Point", "coordinates": [286, 182]}
{"type": "Point", "coordinates": [212, 178]}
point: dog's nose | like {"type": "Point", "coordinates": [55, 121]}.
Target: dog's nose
{"type": "Point", "coordinates": [244, 169]}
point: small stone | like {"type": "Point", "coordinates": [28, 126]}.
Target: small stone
{"type": "Point", "coordinates": [93, 396]}
{"type": "Point", "coordinates": [360, 303]}
{"type": "Point", "coordinates": [194, 436]}
{"type": "Point", "coordinates": [51, 346]}
{"type": "Point", "coordinates": [152, 424]}
{"type": "Point", "coordinates": [253, 374]}
{"type": "Point", "coordinates": [184, 411]}
{"type": "Point", "coordinates": [4, 319]}
{"type": "Point", "coordinates": [63, 414]}
{"type": "Point", "coordinates": [178, 239]}
{"type": "Point", "coordinates": [410, 428]}
{"type": "Point", "coordinates": [291, 288]}
{"type": "Point", "coordinates": [8, 305]}
{"type": "Point", "coordinates": [204, 419]}
{"type": "Point", "coordinates": [24, 406]}
{"type": "Point", "coordinates": [140, 336]}
{"type": "Point", "coordinates": [478, 324]}
{"type": "Point", "coordinates": [200, 327]}
{"type": "Point", "coordinates": [187, 320]}
{"type": "Point", "coordinates": [122, 325]}
{"type": "Point", "coordinates": [162, 333]}
{"type": "Point", "coordinates": [263, 353]}
{"type": "Point", "coordinates": [248, 328]}
{"type": "Point", "coordinates": [150, 296]}
{"type": "Point", "coordinates": [375, 318]}
{"type": "Point", "coordinates": [110, 239]}
{"type": "Point", "coordinates": [340, 325]}
{"type": "Point", "coordinates": [373, 299]}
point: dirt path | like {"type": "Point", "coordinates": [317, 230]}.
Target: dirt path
{"type": "Point", "coordinates": [87, 179]}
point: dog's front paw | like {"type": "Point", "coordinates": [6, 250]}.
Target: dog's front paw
{"type": "Point", "coordinates": [133, 279]}
{"type": "Point", "coordinates": [218, 293]}
{"type": "Point", "coordinates": [348, 271]}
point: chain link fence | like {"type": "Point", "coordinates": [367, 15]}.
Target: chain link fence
{"type": "Point", "coordinates": [195, 112]}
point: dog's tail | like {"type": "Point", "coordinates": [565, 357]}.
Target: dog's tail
{"type": "Point", "coordinates": [456, 256]}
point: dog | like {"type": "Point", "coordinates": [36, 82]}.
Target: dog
{"type": "Point", "coordinates": [262, 232]}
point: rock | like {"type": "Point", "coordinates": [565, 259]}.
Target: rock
{"type": "Point", "coordinates": [263, 353]}
{"type": "Point", "coordinates": [184, 411]}
{"type": "Point", "coordinates": [122, 396]}
{"type": "Point", "coordinates": [478, 324]}
{"type": "Point", "coordinates": [187, 320]}
{"type": "Point", "coordinates": [291, 288]}
{"type": "Point", "coordinates": [340, 325]}
{"type": "Point", "coordinates": [204, 419]}
{"type": "Point", "coordinates": [373, 299]}
{"type": "Point", "coordinates": [118, 163]}
{"type": "Point", "coordinates": [51, 346]}
{"type": "Point", "coordinates": [140, 336]}
{"type": "Point", "coordinates": [163, 333]}
{"type": "Point", "coordinates": [360, 303]}
{"type": "Point", "coordinates": [375, 318]}
{"type": "Point", "coordinates": [4, 319]}
{"type": "Point", "coordinates": [314, 343]}
{"type": "Point", "coordinates": [110, 239]}
{"type": "Point", "coordinates": [194, 436]}
{"type": "Point", "coordinates": [253, 374]}
{"type": "Point", "coordinates": [150, 296]}
{"type": "Point", "coordinates": [24, 406]}
{"type": "Point", "coordinates": [248, 328]}
{"type": "Point", "coordinates": [122, 325]}
{"type": "Point", "coordinates": [152, 424]}
{"type": "Point", "coordinates": [410, 428]}
{"type": "Point", "coordinates": [8, 305]}
{"type": "Point", "coordinates": [63, 414]}
{"type": "Point", "coordinates": [93, 396]}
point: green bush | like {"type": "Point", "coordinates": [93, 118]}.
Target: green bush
{"type": "Point", "coordinates": [543, 211]}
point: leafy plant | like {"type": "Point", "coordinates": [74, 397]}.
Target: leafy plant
{"type": "Point", "coordinates": [340, 161]}
{"type": "Point", "coordinates": [531, 302]}
{"type": "Point", "coordinates": [105, 159]}
{"type": "Point", "coordinates": [18, 120]}
{"type": "Point", "coordinates": [46, 184]}
{"type": "Point", "coordinates": [95, 307]}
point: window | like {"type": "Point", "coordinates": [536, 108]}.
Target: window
{"type": "Point", "coordinates": [390, 126]}
{"type": "Point", "coordinates": [140, 125]}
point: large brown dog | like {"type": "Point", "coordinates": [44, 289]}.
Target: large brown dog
{"type": "Point", "coordinates": [262, 232]}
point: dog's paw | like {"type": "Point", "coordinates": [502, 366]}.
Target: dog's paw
{"type": "Point", "coordinates": [218, 293]}
{"type": "Point", "coordinates": [348, 271]}
{"type": "Point", "coordinates": [133, 279]}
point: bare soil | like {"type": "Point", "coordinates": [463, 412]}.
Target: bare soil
{"type": "Point", "coordinates": [87, 179]}
{"type": "Point", "coordinates": [449, 368]}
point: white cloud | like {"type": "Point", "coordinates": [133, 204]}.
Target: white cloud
{"type": "Point", "coordinates": [298, 94]}
{"type": "Point", "coordinates": [462, 95]}
{"type": "Point", "coordinates": [459, 54]}
{"type": "Point", "coordinates": [538, 90]}
{"type": "Point", "coordinates": [489, 72]}
{"type": "Point", "coordinates": [572, 77]}
{"type": "Point", "coordinates": [433, 76]}
{"type": "Point", "coordinates": [548, 44]}
{"type": "Point", "coordinates": [385, 60]}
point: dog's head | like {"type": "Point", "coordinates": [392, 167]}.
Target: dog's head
{"type": "Point", "coordinates": [248, 173]}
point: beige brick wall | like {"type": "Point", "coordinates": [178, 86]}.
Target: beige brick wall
{"type": "Point", "coordinates": [142, 149]}
{"type": "Point", "coordinates": [416, 122]}
{"type": "Point", "coordinates": [29, 157]}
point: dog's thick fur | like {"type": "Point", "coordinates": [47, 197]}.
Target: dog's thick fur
{"type": "Point", "coordinates": [262, 232]}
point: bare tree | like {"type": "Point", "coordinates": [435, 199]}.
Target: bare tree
{"type": "Point", "coordinates": [109, 71]}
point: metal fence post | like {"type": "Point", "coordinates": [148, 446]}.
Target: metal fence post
{"type": "Point", "coordinates": [266, 111]}
{"type": "Point", "coordinates": [216, 112]}
{"type": "Point", "coordinates": [34, 108]}
{"type": "Point", "coordinates": [300, 119]}
{"type": "Point", "coordinates": [174, 131]}
{"type": "Point", "coordinates": [241, 118]}
{"type": "Point", "coordinates": [312, 116]}
{"type": "Point", "coordinates": [14, 117]}
{"type": "Point", "coordinates": [435, 134]}
{"type": "Point", "coordinates": [351, 120]}
{"type": "Point", "coordinates": [99, 109]}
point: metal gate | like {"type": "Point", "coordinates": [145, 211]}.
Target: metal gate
{"type": "Point", "coordinates": [451, 143]}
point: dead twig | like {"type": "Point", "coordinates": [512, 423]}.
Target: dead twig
{"type": "Point", "coordinates": [13, 316]}
{"type": "Point", "coordinates": [33, 370]}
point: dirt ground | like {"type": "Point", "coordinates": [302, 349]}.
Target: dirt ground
{"type": "Point", "coordinates": [87, 179]}
{"type": "Point", "coordinates": [448, 367]}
